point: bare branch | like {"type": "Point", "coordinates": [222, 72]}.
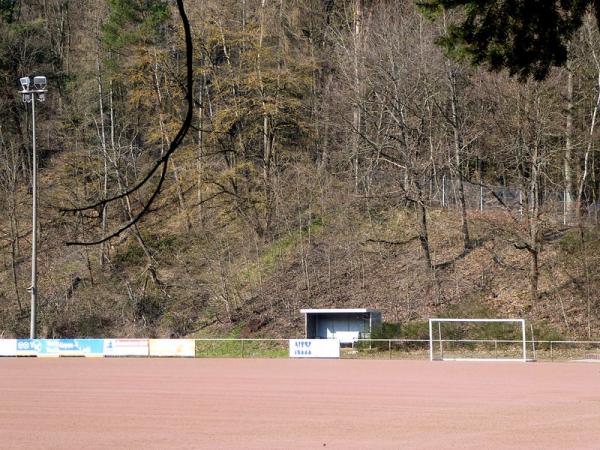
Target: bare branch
{"type": "Point", "coordinates": [164, 161]}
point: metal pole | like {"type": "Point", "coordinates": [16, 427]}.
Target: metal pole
{"type": "Point", "coordinates": [524, 341]}
{"type": "Point", "coordinates": [430, 342]}
{"type": "Point", "coordinates": [533, 342]}
{"type": "Point", "coordinates": [440, 337]}
{"type": "Point", "coordinates": [481, 198]}
{"type": "Point", "coordinates": [443, 191]}
{"type": "Point", "coordinates": [34, 227]}
{"type": "Point", "coordinates": [564, 207]}
{"type": "Point", "coordinates": [521, 203]}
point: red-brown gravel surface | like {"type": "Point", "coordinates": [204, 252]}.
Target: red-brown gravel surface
{"type": "Point", "coordinates": [71, 403]}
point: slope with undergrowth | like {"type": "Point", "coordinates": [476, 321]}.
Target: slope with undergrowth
{"type": "Point", "coordinates": [220, 279]}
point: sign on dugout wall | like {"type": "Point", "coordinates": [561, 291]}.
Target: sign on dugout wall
{"type": "Point", "coordinates": [314, 348]}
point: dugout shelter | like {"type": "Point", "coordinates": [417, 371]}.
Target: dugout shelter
{"type": "Point", "coordinates": [347, 325]}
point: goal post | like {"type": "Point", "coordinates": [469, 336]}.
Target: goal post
{"type": "Point", "coordinates": [519, 323]}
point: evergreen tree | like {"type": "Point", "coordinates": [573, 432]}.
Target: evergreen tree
{"type": "Point", "coordinates": [525, 37]}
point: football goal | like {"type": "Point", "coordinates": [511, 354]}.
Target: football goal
{"type": "Point", "coordinates": [477, 340]}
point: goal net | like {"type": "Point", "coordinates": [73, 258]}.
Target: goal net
{"type": "Point", "coordinates": [477, 340]}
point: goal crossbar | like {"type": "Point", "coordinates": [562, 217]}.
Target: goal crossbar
{"type": "Point", "coordinates": [441, 320]}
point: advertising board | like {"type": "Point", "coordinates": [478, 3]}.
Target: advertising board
{"type": "Point", "coordinates": [314, 348]}
{"type": "Point", "coordinates": [172, 347]}
{"type": "Point", "coordinates": [60, 347]}
{"type": "Point", "coordinates": [28, 347]}
{"type": "Point", "coordinates": [8, 347]}
{"type": "Point", "coordinates": [125, 347]}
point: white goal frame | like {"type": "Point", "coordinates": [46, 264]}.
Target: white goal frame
{"type": "Point", "coordinates": [440, 320]}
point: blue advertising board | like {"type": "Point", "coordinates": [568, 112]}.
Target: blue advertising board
{"type": "Point", "coordinates": [28, 347]}
{"type": "Point", "coordinates": [60, 347]}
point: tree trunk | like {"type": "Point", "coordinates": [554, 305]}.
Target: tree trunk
{"type": "Point", "coordinates": [356, 113]}
{"type": "Point", "coordinates": [268, 136]}
{"type": "Point", "coordinates": [423, 229]}
{"type": "Point", "coordinates": [589, 148]}
{"type": "Point", "coordinates": [534, 224]}
{"type": "Point", "coordinates": [166, 142]}
{"type": "Point", "coordinates": [121, 185]}
{"type": "Point", "coordinates": [534, 274]}
{"type": "Point", "coordinates": [104, 245]}
{"type": "Point", "coordinates": [200, 155]}
{"type": "Point", "coordinates": [458, 144]}
{"type": "Point", "coordinates": [568, 199]}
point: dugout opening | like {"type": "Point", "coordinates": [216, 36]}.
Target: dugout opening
{"type": "Point", "coordinates": [347, 325]}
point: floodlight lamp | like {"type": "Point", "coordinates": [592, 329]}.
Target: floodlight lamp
{"type": "Point", "coordinates": [26, 98]}
{"type": "Point", "coordinates": [40, 82]}
{"type": "Point", "coordinates": [25, 83]}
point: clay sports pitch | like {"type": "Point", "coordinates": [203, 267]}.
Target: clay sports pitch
{"type": "Point", "coordinates": [148, 403]}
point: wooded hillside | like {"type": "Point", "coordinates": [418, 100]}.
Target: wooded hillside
{"type": "Point", "coordinates": [336, 156]}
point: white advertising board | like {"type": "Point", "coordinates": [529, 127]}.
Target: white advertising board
{"type": "Point", "coordinates": [172, 347]}
{"type": "Point", "coordinates": [8, 347]}
{"type": "Point", "coordinates": [126, 347]}
{"type": "Point", "coordinates": [314, 348]}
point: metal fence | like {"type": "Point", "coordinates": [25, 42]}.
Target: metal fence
{"type": "Point", "coordinates": [409, 349]}
{"type": "Point", "coordinates": [542, 350]}
{"type": "Point", "coordinates": [443, 193]}
{"type": "Point", "coordinates": [241, 348]}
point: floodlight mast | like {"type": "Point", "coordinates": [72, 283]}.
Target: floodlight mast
{"type": "Point", "coordinates": [29, 96]}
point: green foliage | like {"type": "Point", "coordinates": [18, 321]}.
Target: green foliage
{"type": "Point", "coordinates": [387, 330]}
{"type": "Point", "coordinates": [148, 308]}
{"type": "Point", "coordinates": [178, 323]}
{"type": "Point", "coordinates": [167, 244]}
{"type": "Point", "coordinates": [543, 331]}
{"type": "Point", "coordinates": [525, 37]}
{"type": "Point", "coordinates": [135, 22]}
{"type": "Point", "coordinates": [132, 256]}
{"type": "Point", "coordinates": [238, 348]}
{"type": "Point", "coordinates": [88, 324]}
{"type": "Point", "coordinates": [416, 329]}
{"type": "Point", "coordinates": [7, 10]}
{"type": "Point", "coordinates": [26, 43]}
{"type": "Point", "coordinates": [280, 247]}
{"type": "Point", "coordinates": [468, 308]}
{"type": "Point", "coordinates": [570, 243]}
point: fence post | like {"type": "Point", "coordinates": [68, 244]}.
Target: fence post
{"type": "Point", "coordinates": [443, 191]}
{"type": "Point", "coordinates": [564, 207]}
{"type": "Point", "coordinates": [481, 198]}
{"type": "Point", "coordinates": [533, 342]}
{"type": "Point", "coordinates": [243, 340]}
{"type": "Point", "coordinates": [520, 202]}
{"type": "Point", "coordinates": [390, 347]}
{"type": "Point", "coordinates": [551, 354]}
{"type": "Point", "coordinates": [496, 348]}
